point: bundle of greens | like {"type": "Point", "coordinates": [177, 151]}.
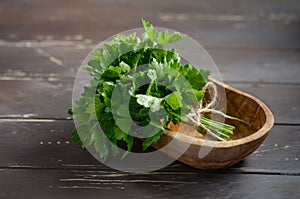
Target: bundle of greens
{"type": "Point", "coordinates": [138, 89]}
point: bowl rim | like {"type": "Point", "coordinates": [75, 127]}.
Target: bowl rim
{"type": "Point", "coordinates": [263, 131]}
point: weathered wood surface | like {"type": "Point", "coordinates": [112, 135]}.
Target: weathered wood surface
{"type": "Point", "coordinates": [237, 24]}
{"type": "Point", "coordinates": [36, 183]}
{"type": "Point", "coordinates": [49, 142]}
{"type": "Point", "coordinates": [33, 99]}
{"type": "Point", "coordinates": [62, 63]}
{"type": "Point", "coordinates": [42, 43]}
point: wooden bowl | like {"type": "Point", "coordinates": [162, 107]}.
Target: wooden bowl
{"type": "Point", "coordinates": [223, 154]}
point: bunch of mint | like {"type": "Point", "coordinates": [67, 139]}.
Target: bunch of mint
{"type": "Point", "coordinates": [137, 83]}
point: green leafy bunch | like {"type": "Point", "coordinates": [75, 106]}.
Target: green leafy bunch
{"type": "Point", "coordinates": [137, 83]}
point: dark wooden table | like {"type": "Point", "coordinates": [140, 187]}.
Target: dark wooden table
{"type": "Point", "coordinates": [255, 43]}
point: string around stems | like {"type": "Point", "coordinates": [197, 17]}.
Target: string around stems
{"type": "Point", "coordinates": [197, 116]}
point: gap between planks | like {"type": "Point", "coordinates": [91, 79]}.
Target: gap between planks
{"type": "Point", "coordinates": [19, 118]}
{"type": "Point", "coordinates": [86, 44]}
{"type": "Point", "coordinates": [82, 170]}
{"type": "Point", "coordinates": [51, 78]}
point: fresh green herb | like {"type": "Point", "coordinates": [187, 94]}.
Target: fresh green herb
{"type": "Point", "coordinates": [149, 86]}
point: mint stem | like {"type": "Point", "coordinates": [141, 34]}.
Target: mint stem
{"type": "Point", "coordinates": [218, 128]}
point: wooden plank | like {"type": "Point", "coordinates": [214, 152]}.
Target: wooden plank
{"type": "Point", "coordinates": [28, 183]}
{"type": "Point", "coordinates": [276, 150]}
{"type": "Point", "coordinates": [50, 145]}
{"type": "Point", "coordinates": [49, 142]}
{"type": "Point", "coordinates": [33, 98]}
{"type": "Point", "coordinates": [281, 99]}
{"type": "Point", "coordinates": [54, 62]}
{"type": "Point", "coordinates": [260, 66]}
{"type": "Point", "coordinates": [247, 24]}
{"type": "Point", "coordinates": [36, 155]}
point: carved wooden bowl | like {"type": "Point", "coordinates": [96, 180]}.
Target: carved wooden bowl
{"type": "Point", "coordinates": [223, 154]}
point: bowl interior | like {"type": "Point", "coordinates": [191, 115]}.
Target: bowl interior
{"type": "Point", "coordinates": [238, 105]}
{"type": "Point", "coordinates": [247, 109]}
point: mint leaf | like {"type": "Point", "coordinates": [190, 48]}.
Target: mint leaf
{"type": "Point", "coordinates": [151, 102]}
{"type": "Point", "coordinates": [112, 73]}
{"type": "Point", "coordinates": [198, 79]}
{"type": "Point", "coordinates": [125, 123]}
{"type": "Point", "coordinates": [152, 74]}
{"type": "Point", "coordinates": [168, 37]}
{"type": "Point", "coordinates": [124, 67]}
{"type": "Point", "coordinates": [174, 100]}
{"type": "Point", "coordinates": [153, 139]}
{"type": "Point", "coordinates": [199, 94]}
{"type": "Point", "coordinates": [75, 137]}
{"type": "Point", "coordinates": [150, 30]}
{"type": "Point", "coordinates": [119, 134]}
{"type": "Point", "coordinates": [129, 141]}
{"type": "Point", "coordinates": [100, 146]}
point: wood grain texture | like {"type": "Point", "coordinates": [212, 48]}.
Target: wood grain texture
{"type": "Point", "coordinates": [38, 183]}
{"type": "Point", "coordinates": [33, 98]}
{"type": "Point", "coordinates": [249, 25]}
{"type": "Point", "coordinates": [49, 142]}
{"type": "Point", "coordinates": [255, 44]}
{"type": "Point", "coordinates": [259, 66]}
{"type": "Point", "coordinates": [38, 63]}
